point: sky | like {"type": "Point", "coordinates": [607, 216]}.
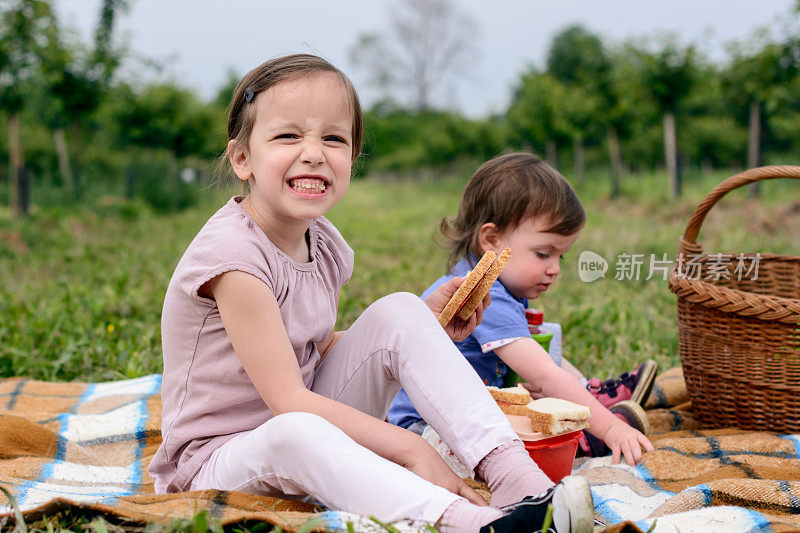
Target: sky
{"type": "Point", "coordinates": [199, 42]}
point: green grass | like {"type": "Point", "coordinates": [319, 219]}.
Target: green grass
{"type": "Point", "coordinates": [82, 288]}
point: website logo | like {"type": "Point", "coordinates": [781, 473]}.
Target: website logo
{"type": "Point", "coordinates": [591, 266]}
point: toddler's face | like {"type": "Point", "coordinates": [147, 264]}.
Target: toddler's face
{"type": "Point", "coordinates": [535, 257]}
{"type": "Point", "coordinates": [300, 152]}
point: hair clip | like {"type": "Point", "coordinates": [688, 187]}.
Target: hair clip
{"type": "Point", "coordinates": [249, 94]}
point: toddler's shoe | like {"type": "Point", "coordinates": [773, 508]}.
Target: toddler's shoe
{"type": "Point", "coordinates": [573, 510]}
{"type": "Point", "coordinates": [634, 386]}
{"type": "Point", "coordinates": [630, 412]}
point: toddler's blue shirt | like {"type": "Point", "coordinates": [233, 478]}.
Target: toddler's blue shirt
{"type": "Point", "coordinates": [504, 318]}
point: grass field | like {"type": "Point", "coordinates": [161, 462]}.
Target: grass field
{"type": "Point", "coordinates": [82, 288]}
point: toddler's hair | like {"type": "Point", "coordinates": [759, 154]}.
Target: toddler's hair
{"type": "Point", "coordinates": [505, 191]}
{"type": "Point", "coordinates": [242, 109]}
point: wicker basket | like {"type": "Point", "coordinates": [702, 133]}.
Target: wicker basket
{"type": "Point", "coordinates": [739, 338]}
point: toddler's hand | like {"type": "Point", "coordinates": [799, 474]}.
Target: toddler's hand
{"type": "Point", "coordinates": [534, 390]}
{"type": "Point", "coordinates": [457, 329]}
{"type": "Point", "coordinates": [627, 441]}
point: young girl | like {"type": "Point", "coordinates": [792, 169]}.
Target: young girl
{"type": "Point", "coordinates": [260, 395]}
{"type": "Point", "coordinates": [519, 201]}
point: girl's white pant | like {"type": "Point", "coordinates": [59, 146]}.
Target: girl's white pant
{"type": "Point", "coordinates": [396, 342]}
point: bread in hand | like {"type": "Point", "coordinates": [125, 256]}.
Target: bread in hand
{"type": "Point", "coordinates": [463, 292]}
{"type": "Point", "coordinates": [485, 284]}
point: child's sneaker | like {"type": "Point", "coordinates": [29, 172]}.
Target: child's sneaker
{"type": "Point", "coordinates": [631, 413]}
{"type": "Point", "coordinates": [634, 386]}
{"type": "Point", "coordinates": [573, 510]}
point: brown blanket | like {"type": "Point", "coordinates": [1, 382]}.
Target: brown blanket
{"type": "Point", "coordinates": [88, 446]}
{"type": "Point", "coordinates": [696, 480]}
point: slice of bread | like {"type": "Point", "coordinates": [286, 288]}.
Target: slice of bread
{"type": "Point", "coordinates": [552, 416]}
{"type": "Point", "coordinates": [486, 283]}
{"type": "Point", "coordinates": [513, 409]}
{"type": "Point", "coordinates": [517, 395]}
{"type": "Point", "coordinates": [463, 292]}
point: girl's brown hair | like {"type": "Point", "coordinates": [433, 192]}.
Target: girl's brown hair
{"type": "Point", "coordinates": [242, 109]}
{"type": "Point", "coordinates": [504, 191]}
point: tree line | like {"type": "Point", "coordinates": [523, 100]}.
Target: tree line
{"type": "Point", "coordinates": [76, 126]}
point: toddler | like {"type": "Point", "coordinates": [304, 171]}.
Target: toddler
{"type": "Point", "coordinates": [521, 202]}
{"type": "Point", "coordinates": [260, 395]}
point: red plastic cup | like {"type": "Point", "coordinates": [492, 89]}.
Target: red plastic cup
{"type": "Point", "coordinates": [554, 455]}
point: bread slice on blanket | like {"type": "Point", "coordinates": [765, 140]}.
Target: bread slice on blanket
{"type": "Point", "coordinates": [511, 400]}
{"type": "Point", "coordinates": [486, 283]}
{"type": "Point", "coordinates": [552, 416]}
{"type": "Point", "coordinates": [463, 292]}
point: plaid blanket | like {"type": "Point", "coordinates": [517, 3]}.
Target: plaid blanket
{"type": "Point", "coordinates": [68, 445]}
{"type": "Point", "coordinates": [699, 480]}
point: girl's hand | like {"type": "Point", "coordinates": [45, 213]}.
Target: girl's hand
{"type": "Point", "coordinates": [429, 465]}
{"type": "Point", "coordinates": [627, 441]}
{"type": "Point", "coordinates": [457, 329]}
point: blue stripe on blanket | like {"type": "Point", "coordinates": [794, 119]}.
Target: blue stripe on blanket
{"type": "Point", "coordinates": [705, 491]}
{"type": "Point", "coordinates": [45, 472]}
{"type": "Point", "coordinates": [759, 522]}
{"type": "Point", "coordinates": [140, 429]}
{"type": "Point", "coordinates": [795, 439]}
{"type": "Point", "coordinates": [333, 520]}
{"type": "Point", "coordinates": [644, 474]}
{"type": "Point", "coordinates": [717, 453]}
{"type": "Point", "coordinates": [615, 502]}
{"type": "Point", "coordinates": [82, 400]}
{"type": "Point", "coordinates": [605, 507]}
{"type": "Point", "coordinates": [120, 480]}
{"type": "Point", "coordinates": [644, 525]}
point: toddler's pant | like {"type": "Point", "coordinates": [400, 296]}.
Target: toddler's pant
{"type": "Point", "coordinates": [396, 341]}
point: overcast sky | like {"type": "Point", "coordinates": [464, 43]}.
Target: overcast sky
{"type": "Point", "coordinates": [199, 41]}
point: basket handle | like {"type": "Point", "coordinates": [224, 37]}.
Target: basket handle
{"type": "Point", "coordinates": [772, 308]}
{"type": "Point", "coordinates": [688, 242]}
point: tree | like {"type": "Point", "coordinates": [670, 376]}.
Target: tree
{"type": "Point", "coordinates": [753, 81]}
{"type": "Point", "coordinates": [427, 41]}
{"type": "Point", "coordinates": [578, 59]}
{"type": "Point", "coordinates": [51, 103]}
{"type": "Point", "coordinates": [536, 115]}
{"type": "Point", "coordinates": [80, 79]}
{"type": "Point", "coordinates": [23, 31]}
{"type": "Point", "coordinates": [168, 119]}
{"type": "Point", "coordinates": [669, 73]}
{"type": "Point", "coordinates": [582, 112]}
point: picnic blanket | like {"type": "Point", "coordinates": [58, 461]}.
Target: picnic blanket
{"type": "Point", "coordinates": [87, 446]}
{"type": "Point", "coordinates": [699, 480]}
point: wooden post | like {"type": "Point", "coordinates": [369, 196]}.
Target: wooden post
{"type": "Point", "coordinates": [24, 188]}
{"type": "Point", "coordinates": [754, 143]}
{"type": "Point", "coordinates": [615, 153]}
{"type": "Point", "coordinates": [671, 154]}
{"type": "Point", "coordinates": [550, 153]}
{"type": "Point", "coordinates": [62, 154]}
{"type": "Point", "coordinates": [15, 161]}
{"type": "Point", "coordinates": [707, 167]}
{"type": "Point", "coordinates": [579, 160]}
{"type": "Point", "coordinates": [77, 160]}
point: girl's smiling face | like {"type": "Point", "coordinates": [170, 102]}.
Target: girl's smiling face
{"type": "Point", "coordinates": [535, 255]}
{"type": "Point", "coordinates": [299, 156]}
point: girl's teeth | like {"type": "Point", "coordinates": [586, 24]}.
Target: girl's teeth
{"type": "Point", "coordinates": [320, 187]}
